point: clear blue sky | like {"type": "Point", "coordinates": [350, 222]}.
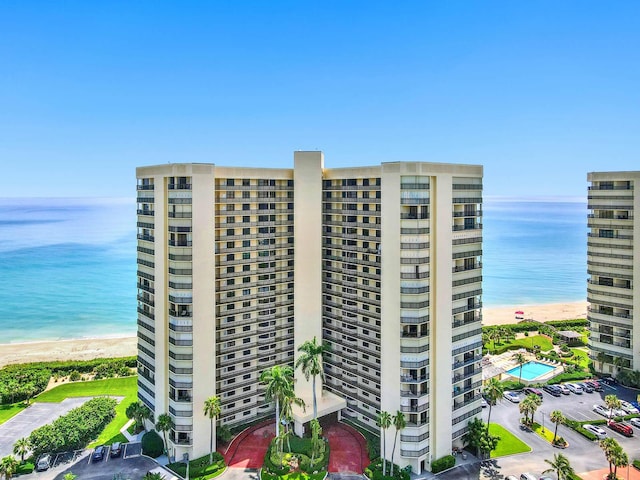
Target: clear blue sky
{"type": "Point", "coordinates": [538, 92]}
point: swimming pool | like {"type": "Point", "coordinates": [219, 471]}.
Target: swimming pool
{"type": "Point", "coordinates": [530, 370]}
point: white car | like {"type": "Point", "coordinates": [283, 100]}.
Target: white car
{"type": "Point", "coordinates": [635, 422]}
{"type": "Point", "coordinates": [483, 402]}
{"type": "Point", "coordinates": [597, 431]}
{"type": "Point", "coordinates": [604, 411]}
{"type": "Point", "coordinates": [627, 407]}
{"type": "Point", "coordinates": [575, 388]}
{"type": "Point", "coordinates": [512, 396]}
{"type": "Point", "coordinates": [564, 389]}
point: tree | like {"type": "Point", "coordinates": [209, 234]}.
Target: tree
{"type": "Point", "coordinates": [520, 360]}
{"type": "Point", "coordinates": [139, 412]}
{"type": "Point", "coordinates": [8, 466]}
{"type": "Point", "coordinates": [556, 417]}
{"type": "Point", "coordinates": [601, 357]}
{"type": "Point", "coordinates": [164, 424]}
{"type": "Point", "coordinates": [526, 407]}
{"type": "Point", "coordinates": [612, 402]}
{"type": "Point", "coordinates": [479, 438]}
{"type": "Point", "coordinates": [212, 409]}
{"type": "Point", "coordinates": [21, 447]}
{"type": "Point", "coordinates": [399, 423]}
{"type": "Point", "coordinates": [279, 381]}
{"type": "Point", "coordinates": [609, 446]}
{"type": "Point", "coordinates": [316, 441]}
{"type": "Point", "coordinates": [493, 390]}
{"type": "Point", "coordinates": [536, 401]}
{"type": "Point", "coordinates": [69, 476]}
{"type": "Point", "coordinates": [619, 458]}
{"type": "Point", "coordinates": [384, 422]}
{"type": "Point", "coordinates": [153, 476]}
{"type": "Point", "coordinates": [286, 413]}
{"type": "Point", "coordinates": [561, 466]}
{"type": "Point", "coordinates": [310, 362]}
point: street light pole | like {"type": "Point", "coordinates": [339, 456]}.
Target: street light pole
{"type": "Point", "coordinates": [542, 420]}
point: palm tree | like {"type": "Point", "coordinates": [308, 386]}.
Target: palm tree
{"type": "Point", "coordinates": [494, 335]}
{"type": "Point", "coordinates": [21, 447]}
{"type": "Point", "coordinates": [287, 410]}
{"type": "Point", "coordinates": [164, 424]}
{"type": "Point", "coordinates": [619, 458]}
{"type": "Point", "coordinates": [560, 465]}
{"type": "Point", "coordinates": [8, 466]}
{"type": "Point", "coordinates": [399, 423]}
{"type": "Point", "coordinates": [520, 360]}
{"type": "Point", "coordinates": [279, 381]}
{"type": "Point", "coordinates": [310, 363]}
{"type": "Point", "coordinates": [527, 406]}
{"type": "Point", "coordinates": [601, 357]}
{"type": "Point", "coordinates": [384, 422]}
{"type": "Point", "coordinates": [493, 390]}
{"type": "Point", "coordinates": [618, 362]}
{"type": "Point", "coordinates": [612, 401]}
{"type": "Point", "coordinates": [536, 401]}
{"type": "Point", "coordinates": [609, 446]}
{"type": "Point", "coordinates": [212, 409]}
{"type": "Point", "coordinates": [556, 417]}
{"type": "Point", "coordinates": [139, 412]}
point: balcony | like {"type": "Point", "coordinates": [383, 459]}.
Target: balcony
{"type": "Point", "coordinates": [181, 313]}
{"type": "Point", "coordinates": [148, 238]}
{"type": "Point", "coordinates": [149, 213]}
{"type": "Point", "coordinates": [179, 186]}
{"type": "Point", "coordinates": [180, 243]}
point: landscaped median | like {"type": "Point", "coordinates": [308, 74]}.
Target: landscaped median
{"type": "Point", "coordinates": [200, 468]}
{"type": "Point", "coordinates": [509, 444]}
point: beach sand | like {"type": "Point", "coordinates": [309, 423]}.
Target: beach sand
{"type": "Point", "coordinates": [83, 349]}
{"type": "Point", "coordinates": [540, 313]}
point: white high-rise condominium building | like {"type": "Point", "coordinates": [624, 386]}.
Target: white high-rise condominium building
{"type": "Point", "coordinates": [237, 267]}
{"type": "Point", "coordinates": [613, 260]}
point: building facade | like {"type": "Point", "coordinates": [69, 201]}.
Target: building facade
{"type": "Point", "coordinates": [612, 263]}
{"type": "Point", "coordinates": [237, 267]}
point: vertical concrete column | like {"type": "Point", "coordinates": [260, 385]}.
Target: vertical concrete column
{"type": "Point", "coordinates": [204, 329]}
{"type": "Point", "coordinates": [160, 284]}
{"type": "Point", "coordinates": [635, 342]}
{"type": "Point", "coordinates": [441, 386]}
{"type": "Point", "coordinates": [307, 175]}
{"type": "Point", "coordinates": [390, 299]}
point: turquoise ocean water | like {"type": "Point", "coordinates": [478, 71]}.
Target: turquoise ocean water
{"type": "Point", "coordinates": [67, 266]}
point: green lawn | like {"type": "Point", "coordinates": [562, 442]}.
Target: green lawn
{"type": "Point", "coordinates": [8, 411]}
{"type": "Point", "coordinates": [126, 387]}
{"type": "Point", "coordinates": [548, 432]}
{"type": "Point", "coordinates": [543, 342]}
{"type": "Point", "coordinates": [581, 356]}
{"type": "Point", "coordinates": [508, 444]}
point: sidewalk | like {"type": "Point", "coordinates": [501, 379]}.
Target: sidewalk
{"type": "Point", "coordinates": [460, 462]}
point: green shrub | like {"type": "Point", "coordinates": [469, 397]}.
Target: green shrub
{"type": "Point", "coordinates": [152, 444]}
{"type": "Point", "coordinates": [223, 433]}
{"type": "Point", "coordinates": [19, 382]}
{"type": "Point", "coordinates": [443, 463]}
{"type": "Point", "coordinates": [25, 468]}
{"type": "Point", "coordinates": [569, 377]}
{"type": "Point", "coordinates": [567, 324]}
{"type": "Point", "coordinates": [636, 463]}
{"type": "Point", "coordinates": [75, 376]}
{"type": "Point", "coordinates": [199, 467]}
{"type": "Point", "coordinates": [512, 385]}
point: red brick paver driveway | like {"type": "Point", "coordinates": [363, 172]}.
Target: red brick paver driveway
{"type": "Point", "coordinates": [348, 449]}
{"type": "Point", "coordinates": [248, 449]}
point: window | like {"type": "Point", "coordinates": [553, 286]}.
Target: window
{"type": "Point", "coordinates": [230, 232]}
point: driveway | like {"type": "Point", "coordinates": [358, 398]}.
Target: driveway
{"type": "Point", "coordinates": [38, 414]}
{"type": "Point", "coordinates": [583, 454]}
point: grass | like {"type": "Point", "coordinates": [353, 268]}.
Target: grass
{"type": "Point", "coordinates": [581, 357]}
{"type": "Point", "coordinates": [8, 411]}
{"type": "Point", "coordinates": [293, 476]}
{"type": "Point", "coordinates": [200, 468]}
{"type": "Point", "coordinates": [126, 387]}
{"type": "Point", "coordinates": [509, 444]}
{"type": "Point", "coordinates": [548, 432]}
{"type": "Point", "coordinates": [543, 342]}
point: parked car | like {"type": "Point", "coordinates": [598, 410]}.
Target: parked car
{"type": "Point", "coordinates": [597, 431]}
{"type": "Point", "coordinates": [586, 387]}
{"type": "Point", "coordinates": [527, 476]}
{"type": "Point", "coordinates": [627, 407]}
{"type": "Point", "coordinates": [622, 428]}
{"type": "Point", "coordinates": [635, 422]}
{"type": "Point", "coordinates": [564, 389]}
{"type": "Point", "coordinates": [552, 390]}
{"type": "Point", "coordinates": [601, 409]}
{"type": "Point", "coordinates": [483, 402]}
{"type": "Point", "coordinates": [595, 385]}
{"type": "Point", "coordinates": [116, 449]}
{"type": "Point", "coordinates": [609, 380]}
{"type": "Point", "coordinates": [531, 390]}
{"type": "Point", "coordinates": [575, 388]}
{"type": "Point", "coordinates": [98, 454]}
{"type": "Point", "coordinates": [511, 396]}
{"type": "Point", "coordinates": [511, 477]}
{"type": "Point", "coordinates": [43, 463]}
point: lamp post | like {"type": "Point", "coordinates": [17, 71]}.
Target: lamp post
{"type": "Point", "coordinates": [542, 420]}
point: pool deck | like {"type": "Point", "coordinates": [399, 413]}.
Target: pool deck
{"type": "Point", "coordinates": [499, 365]}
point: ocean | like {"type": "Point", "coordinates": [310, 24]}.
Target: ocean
{"type": "Point", "coordinates": [68, 266]}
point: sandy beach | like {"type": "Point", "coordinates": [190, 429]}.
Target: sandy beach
{"type": "Point", "coordinates": [540, 313]}
{"type": "Point", "coordinates": [83, 349]}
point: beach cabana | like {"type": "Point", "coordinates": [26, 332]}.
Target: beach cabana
{"type": "Point", "coordinates": [569, 336]}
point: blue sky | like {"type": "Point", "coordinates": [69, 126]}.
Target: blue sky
{"type": "Point", "coordinates": [538, 92]}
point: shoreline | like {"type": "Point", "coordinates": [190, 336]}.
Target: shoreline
{"type": "Point", "coordinates": [69, 349]}
{"type": "Point", "coordinates": [502, 315]}
{"type": "Point", "coordinates": [126, 346]}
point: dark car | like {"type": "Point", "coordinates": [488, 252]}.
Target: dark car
{"type": "Point", "coordinates": [532, 391]}
{"type": "Point", "coordinates": [552, 390]}
{"type": "Point", "coordinates": [98, 454]}
{"type": "Point", "coordinates": [595, 384]}
{"type": "Point", "coordinates": [116, 449]}
{"type": "Point", "coordinates": [622, 428]}
{"type": "Point", "coordinates": [586, 387]}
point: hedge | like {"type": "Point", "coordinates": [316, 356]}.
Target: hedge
{"type": "Point", "coordinates": [443, 463]}
{"type": "Point", "coordinates": [374, 471]}
{"type": "Point", "coordinates": [75, 429]}
{"type": "Point", "coordinates": [152, 444]}
{"type": "Point", "coordinates": [19, 382]}
{"type": "Point", "coordinates": [562, 324]}
{"type": "Point", "coordinates": [199, 467]}
{"type": "Point", "coordinates": [569, 377]}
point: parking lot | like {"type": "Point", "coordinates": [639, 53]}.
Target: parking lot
{"type": "Point", "coordinates": [584, 454]}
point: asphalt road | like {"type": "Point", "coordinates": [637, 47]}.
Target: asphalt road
{"type": "Point", "coordinates": [583, 454]}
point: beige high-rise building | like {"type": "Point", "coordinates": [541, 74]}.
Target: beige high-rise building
{"type": "Point", "coordinates": [613, 260]}
{"type": "Point", "coordinates": [239, 266]}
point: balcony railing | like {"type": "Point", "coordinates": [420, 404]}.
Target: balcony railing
{"type": "Point", "coordinates": [179, 186]}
